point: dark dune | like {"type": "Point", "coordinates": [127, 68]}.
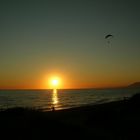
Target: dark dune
{"type": "Point", "coordinates": [118, 120]}
{"type": "Point", "coordinates": [134, 85]}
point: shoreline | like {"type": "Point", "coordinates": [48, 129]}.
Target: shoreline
{"type": "Point", "coordinates": [114, 120]}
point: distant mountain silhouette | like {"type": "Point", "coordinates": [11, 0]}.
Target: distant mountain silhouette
{"type": "Point", "coordinates": [134, 85]}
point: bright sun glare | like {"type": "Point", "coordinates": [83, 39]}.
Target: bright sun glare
{"type": "Point", "coordinates": [54, 82]}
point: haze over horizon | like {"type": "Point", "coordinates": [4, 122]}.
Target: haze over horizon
{"type": "Point", "coordinates": [41, 39]}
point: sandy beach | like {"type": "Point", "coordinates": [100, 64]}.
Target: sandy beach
{"type": "Point", "coordinates": [119, 120]}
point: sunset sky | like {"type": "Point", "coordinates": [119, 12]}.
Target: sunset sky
{"type": "Point", "coordinates": [65, 38]}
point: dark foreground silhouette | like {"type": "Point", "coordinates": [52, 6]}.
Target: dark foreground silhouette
{"type": "Point", "coordinates": [118, 120]}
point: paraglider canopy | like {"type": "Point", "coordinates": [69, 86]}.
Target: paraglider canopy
{"type": "Point", "coordinates": [108, 37]}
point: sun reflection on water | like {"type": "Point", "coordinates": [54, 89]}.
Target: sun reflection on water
{"type": "Point", "coordinates": [54, 98]}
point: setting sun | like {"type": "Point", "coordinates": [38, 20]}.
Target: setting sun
{"type": "Point", "coordinates": [55, 82]}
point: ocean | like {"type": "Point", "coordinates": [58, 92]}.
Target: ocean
{"type": "Point", "coordinates": [61, 99]}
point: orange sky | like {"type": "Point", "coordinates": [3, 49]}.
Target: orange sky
{"type": "Point", "coordinates": [66, 81]}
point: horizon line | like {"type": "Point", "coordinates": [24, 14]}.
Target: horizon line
{"type": "Point", "coordinates": [62, 88]}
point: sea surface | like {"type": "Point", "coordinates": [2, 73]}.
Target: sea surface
{"type": "Point", "coordinates": [61, 99]}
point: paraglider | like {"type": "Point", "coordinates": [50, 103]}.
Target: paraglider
{"type": "Point", "coordinates": [108, 37]}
